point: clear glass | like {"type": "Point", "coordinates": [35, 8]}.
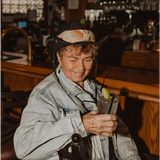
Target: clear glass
{"type": "Point", "coordinates": [107, 106]}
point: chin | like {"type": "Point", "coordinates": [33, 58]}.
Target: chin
{"type": "Point", "coordinates": [78, 80]}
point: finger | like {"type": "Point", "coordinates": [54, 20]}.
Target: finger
{"type": "Point", "coordinates": [102, 133]}
{"type": "Point", "coordinates": [108, 117]}
{"type": "Point", "coordinates": [97, 130]}
{"type": "Point", "coordinates": [94, 112]}
{"type": "Point", "coordinates": [107, 134]}
{"type": "Point", "coordinates": [108, 129]}
{"type": "Point", "coordinates": [110, 123]}
{"type": "Point", "coordinates": [102, 124]}
{"type": "Point", "coordinates": [99, 125]}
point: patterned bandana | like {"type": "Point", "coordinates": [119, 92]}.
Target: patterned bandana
{"type": "Point", "coordinates": [74, 36]}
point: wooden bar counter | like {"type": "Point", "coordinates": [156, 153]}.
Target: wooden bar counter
{"type": "Point", "coordinates": [139, 95]}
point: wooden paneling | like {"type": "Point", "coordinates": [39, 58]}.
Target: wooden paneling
{"type": "Point", "coordinates": [144, 60]}
{"type": "Point", "coordinates": [22, 77]}
{"type": "Point", "coordinates": [16, 82]}
{"type": "Point", "coordinates": [153, 62]}
{"type": "Point", "coordinates": [149, 131]}
{"type": "Point", "coordinates": [132, 59]}
{"type": "Point", "coordinates": [135, 60]}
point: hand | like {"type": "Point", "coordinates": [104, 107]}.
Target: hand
{"type": "Point", "coordinates": [100, 124]}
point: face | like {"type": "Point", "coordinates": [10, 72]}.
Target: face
{"type": "Point", "coordinates": [76, 67]}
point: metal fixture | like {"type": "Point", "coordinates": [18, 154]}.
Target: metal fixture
{"type": "Point", "coordinates": [5, 31]}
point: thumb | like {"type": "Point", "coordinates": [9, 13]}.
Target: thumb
{"type": "Point", "coordinates": [94, 112]}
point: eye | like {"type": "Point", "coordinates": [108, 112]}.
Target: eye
{"type": "Point", "coordinates": [88, 59]}
{"type": "Point", "coordinates": [73, 60]}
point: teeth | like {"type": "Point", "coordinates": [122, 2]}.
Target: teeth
{"type": "Point", "coordinates": [78, 74]}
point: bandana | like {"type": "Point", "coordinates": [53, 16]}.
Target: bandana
{"type": "Point", "coordinates": [74, 36]}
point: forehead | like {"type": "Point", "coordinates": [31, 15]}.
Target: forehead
{"type": "Point", "coordinates": [73, 48]}
{"type": "Point", "coordinates": [80, 55]}
{"type": "Point", "coordinates": [76, 51]}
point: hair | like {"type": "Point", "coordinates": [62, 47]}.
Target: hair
{"type": "Point", "coordinates": [80, 49]}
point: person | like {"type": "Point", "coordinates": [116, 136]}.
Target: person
{"type": "Point", "coordinates": [64, 103]}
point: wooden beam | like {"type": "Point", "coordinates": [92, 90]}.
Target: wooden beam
{"type": "Point", "coordinates": [124, 86]}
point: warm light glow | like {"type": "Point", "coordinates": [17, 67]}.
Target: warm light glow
{"type": "Point", "coordinates": [130, 16]}
{"type": "Point", "coordinates": [92, 15]}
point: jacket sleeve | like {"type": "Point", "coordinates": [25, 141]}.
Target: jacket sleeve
{"type": "Point", "coordinates": [42, 129]}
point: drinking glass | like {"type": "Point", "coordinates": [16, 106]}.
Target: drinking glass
{"type": "Point", "coordinates": [107, 106]}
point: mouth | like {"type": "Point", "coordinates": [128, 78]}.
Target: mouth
{"type": "Point", "coordinates": [77, 74]}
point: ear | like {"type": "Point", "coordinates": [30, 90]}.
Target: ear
{"type": "Point", "coordinates": [59, 58]}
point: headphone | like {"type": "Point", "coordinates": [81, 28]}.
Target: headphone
{"type": "Point", "coordinates": [50, 47]}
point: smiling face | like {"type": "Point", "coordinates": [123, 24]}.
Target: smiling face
{"type": "Point", "coordinates": [76, 64]}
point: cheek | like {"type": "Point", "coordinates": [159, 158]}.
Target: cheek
{"type": "Point", "coordinates": [67, 66]}
{"type": "Point", "coordinates": [88, 66]}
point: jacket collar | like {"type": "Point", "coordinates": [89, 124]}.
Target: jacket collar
{"type": "Point", "coordinates": [69, 86]}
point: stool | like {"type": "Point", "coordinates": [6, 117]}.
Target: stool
{"type": "Point", "coordinates": [10, 119]}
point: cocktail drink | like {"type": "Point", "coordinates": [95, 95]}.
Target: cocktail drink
{"type": "Point", "coordinates": [107, 106]}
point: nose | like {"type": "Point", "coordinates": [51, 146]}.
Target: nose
{"type": "Point", "coordinates": [81, 66]}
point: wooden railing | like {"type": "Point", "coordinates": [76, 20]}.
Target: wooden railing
{"type": "Point", "coordinates": [139, 103]}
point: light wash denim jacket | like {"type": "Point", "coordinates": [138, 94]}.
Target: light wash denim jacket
{"type": "Point", "coordinates": [53, 115]}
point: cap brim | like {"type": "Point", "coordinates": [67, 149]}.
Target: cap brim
{"type": "Point", "coordinates": [54, 44]}
{"type": "Point", "coordinates": [64, 43]}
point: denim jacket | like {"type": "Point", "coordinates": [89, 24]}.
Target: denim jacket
{"type": "Point", "coordinates": [53, 115]}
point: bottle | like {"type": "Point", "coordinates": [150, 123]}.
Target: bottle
{"type": "Point", "coordinates": [136, 42]}
{"type": "Point", "coordinates": [100, 18]}
{"type": "Point", "coordinates": [104, 20]}
{"type": "Point", "coordinates": [94, 22]}
{"type": "Point", "coordinates": [148, 43]}
{"type": "Point", "coordinates": [142, 43]}
{"type": "Point", "coordinates": [88, 23]}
